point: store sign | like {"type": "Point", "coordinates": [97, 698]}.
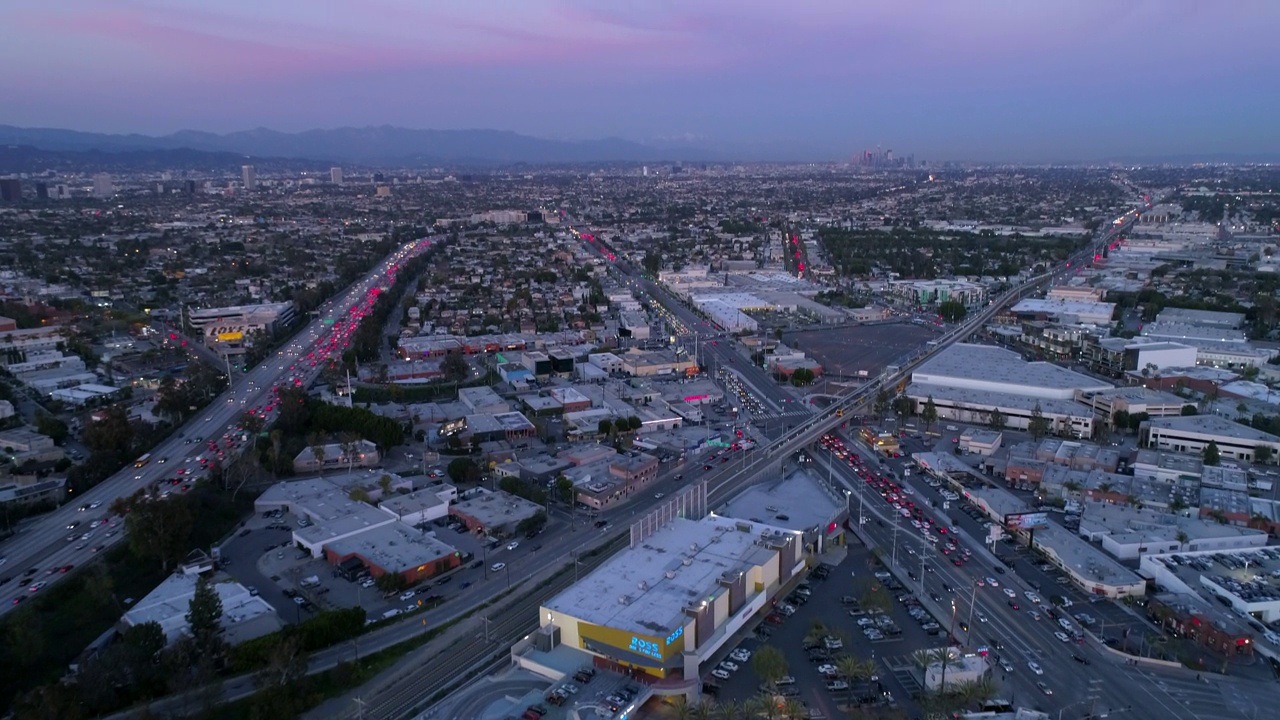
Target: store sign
{"type": "Point", "coordinates": [675, 635]}
{"type": "Point", "coordinates": [646, 647]}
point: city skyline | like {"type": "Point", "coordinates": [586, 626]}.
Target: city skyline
{"type": "Point", "coordinates": [983, 81]}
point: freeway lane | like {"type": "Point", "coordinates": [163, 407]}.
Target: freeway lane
{"type": "Point", "coordinates": [44, 544]}
{"type": "Point", "coordinates": [1105, 684]}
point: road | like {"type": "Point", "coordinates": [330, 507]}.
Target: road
{"type": "Point", "coordinates": [1105, 684]}
{"type": "Point", "coordinates": [51, 543]}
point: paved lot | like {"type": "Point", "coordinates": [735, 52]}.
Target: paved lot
{"type": "Point", "coordinates": [825, 607]}
{"type": "Point", "coordinates": [847, 351]}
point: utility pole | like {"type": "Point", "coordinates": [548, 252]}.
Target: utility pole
{"type": "Point", "coordinates": [360, 703]}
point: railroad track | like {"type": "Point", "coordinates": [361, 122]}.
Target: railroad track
{"type": "Point", "coordinates": [406, 694]}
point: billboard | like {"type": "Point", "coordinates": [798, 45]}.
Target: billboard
{"type": "Point", "coordinates": [230, 336]}
{"type": "Point", "coordinates": [1026, 521]}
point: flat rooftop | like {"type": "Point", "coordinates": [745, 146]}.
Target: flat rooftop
{"type": "Point", "coordinates": [797, 502]}
{"type": "Point", "coordinates": [497, 508]}
{"type": "Point", "coordinates": [998, 365]}
{"type": "Point", "coordinates": [1131, 525]}
{"type": "Point", "coordinates": [645, 589]}
{"type": "Point", "coordinates": [327, 505]}
{"type": "Point", "coordinates": [1212, 425]}
{"type": "Point", "coordinates": [394, 547]}
{"type": "Point", "coordinates": [995, 398]}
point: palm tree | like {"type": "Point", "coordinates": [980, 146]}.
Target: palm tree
{"type": "Point", "coordinates": [854, 669]}
{"type": "Point", "coordinates": [767, 706]}
{"type": "Point", "coordinates": [1183, 537]}
{"type": "Point", "coordinates": [683, 710]}
{"type": "Point", "coordinates": [815, 634]}
{"type": "Point", "coordinates": [753, 707]}
{"type": "Point", "coordinates": [793, 709]}
{"type": "Point", "coordinates": [704, 709]}
{"type": "Point", "coordinates": [730, 710]}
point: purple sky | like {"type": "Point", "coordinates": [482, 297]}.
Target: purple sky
{"type": "Point", "coordinates": [945, 79]}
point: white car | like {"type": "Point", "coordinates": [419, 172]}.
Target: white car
{"type": "Point", "coordinates": [741, 655]}
{"type": "Point", "coordinates": [1062, 636]}
{"type": "Point", "coordinates": [1035, 667]}
{"type": "Point", "coordinates": [1032, 597]}
{"type": "Point", "coordinates": [721, 674]}
{"type": "Point", "coordinates": [497, 566]}
{"type": "Point", "coordinates": [1009, 592]}
{"type": "Point", "coordinates": [992, 582]}
{"type": "Point", "coordinates": [513, 545]}
{"type": "Point", "coordinates": [729, 666]}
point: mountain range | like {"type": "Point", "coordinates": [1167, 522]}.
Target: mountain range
{"type": "Point", "coordinates": [383, 145]}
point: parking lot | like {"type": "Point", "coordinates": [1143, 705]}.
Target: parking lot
{"type": "Point", "coordinates": [833, 604]}
{"type": "Point", "coordinates": [847, 351]}
{"type": "Point", "coordinates": [261, 557]}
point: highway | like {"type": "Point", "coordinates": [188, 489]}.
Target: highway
{"type": "Point", "coordinates": [49, 543]}
{"type": "Point", "coordinates": [1106, 684]}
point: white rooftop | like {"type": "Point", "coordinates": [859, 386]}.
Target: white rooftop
{"type": "Point", "coordinates": [645, 589]}
{"type": "Point", "coordinates": [1002, 369]}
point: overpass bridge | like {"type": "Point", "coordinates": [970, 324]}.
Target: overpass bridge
{"type": "Point", "coordinates": [770, 458]}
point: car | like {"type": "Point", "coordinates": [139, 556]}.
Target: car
{"type": "Point", "coordinates": [721, 674]}
{"type": "Point", "coordinates": [729, 665]}
{"type": "Point", "coordinates": [1035, 667]}
{"type": "Point", "coordinates": [828, 669]}
{"type": "Point", "coordinates": [981, 617]}
{"type": "Point", "coordinates": [35, 587]}
{"type": "Point", "coordinates": [497, 566]}
{"type": "Point", "coordinates": [513, 545]}
{"type": "Point", "coordinates": [837, 685]}
{"type": "Point", "coordinates": [1010, 593]}
{"type": "Point", "coordinates": [741, 655]}
{"type": "Point", "coordinates": [1044, 688]}
{"type": "Point", "coordinates": [1013, 604]}
{"type": "Point", "coordinates": [1080, 659]}
{"type": "Point", "coordinates": [992, 582]}
{"type": "Point", "coordinates": [1006, 665]}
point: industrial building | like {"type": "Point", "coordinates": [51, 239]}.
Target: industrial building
{"type": "Point", "coordinates": [244, 615]}
{"type": "Point", "coordinates": [968, 382]}
{"type": "Point", "coordinates": [1192, 433]}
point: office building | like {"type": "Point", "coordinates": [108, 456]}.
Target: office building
{"type": "Point", "coordinates": [11, 190]}
{"type": "Point", "coordinates": [248, 177]}
{"type": "Point", "coordinates": [227, 328]}
{"type": "Point", "coordinates": [335, 175]}
{"type": "Point", "coordinates": [102, 186]}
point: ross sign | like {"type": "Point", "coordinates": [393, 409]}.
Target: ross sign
{"type": "Point", "coordinates": [1026, 521]}
{"type": "Point", "coordinates": [646, 647]}
{"type": "Point", "coordinates": [675, 635]}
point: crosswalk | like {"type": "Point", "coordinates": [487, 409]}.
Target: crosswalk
{"type": "Point", "coordinates": [769, 414]}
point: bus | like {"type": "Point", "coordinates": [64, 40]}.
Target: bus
{"type": "Point", "coordinates": [146, 458]}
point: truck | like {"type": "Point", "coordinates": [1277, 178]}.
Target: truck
{"type": "Point", "coordinates": [312, 581]}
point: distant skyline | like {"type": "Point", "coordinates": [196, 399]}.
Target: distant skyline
{"type": "Point", "coordinates": [1001, 80]}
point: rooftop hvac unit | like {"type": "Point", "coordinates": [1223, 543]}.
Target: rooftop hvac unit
{"type": "Point", "coordinates": [624, 599]}
{"type": "Point", "coordinates": [686, 562]}
{"type": "Point", "coordinates": [671, 574]}
{"type": "Point", "coordinates": [644, 585]}
{"type": "Point", "coordinates": [693, 547]}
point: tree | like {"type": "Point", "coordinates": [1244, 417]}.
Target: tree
{"type": "Point", "coordinates": [634, 423]}
{"type": "Point", "coordinates": [532, 524]}
{"type": "Point", "coordinates": [881, 405]}
{"type": "Point", "coordinates": [1038, 426]}
{"type": "Point", "coordinates": [1212, 456]}
{"type": "Point", "coordinates": [51, 426]}
{"type": "Point", "coordinates": [384, 484]}
{"type": "Point", "coordinates": [455, 367]}
{"type": "Point", "coordinates": [1183, 538]}
{"type": "Point", "coordinates": [929, 414]}
{"type": "Point", "coordinates": [952, 311]}
{"type": "Point", "coordinates": [463, 470]}
{"type": "Point", "coordinates": [160, 530]}
{"type": "Point", "coordinates": [391, 582]}
{"type": "Point", "coordinates": [997, 419]}
{"type": "Point", "coordinates": [359, 494]}
{"type": "Point", "coordinates": [604, 427]}
{"type": "Point", "coordinates": [564, 489]}
{"type": "Point", "coordinates": [1120, 419]}
{"type": "Point", "coordinates": [286, 664]}
{"type": "Point", "coordinates": [855, 670]}
{"type": "Point", "coordinates": [769, 663]}
{"type": "Point", "coordinates": [903, 406]}
{"type": "Point", "coordinates": [1262, 454]}
{"type": "Point", "coordinates": [875, 598]}
{"type": "Point", "coordinates": [802, 377]}
{"type": "Point", "coordinates": [1189, 410]}
{"type": "Point", "coordinates": [204, 618]}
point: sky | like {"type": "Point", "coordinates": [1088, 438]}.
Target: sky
{"type": "Point", "coordinates": [1004, 80]}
